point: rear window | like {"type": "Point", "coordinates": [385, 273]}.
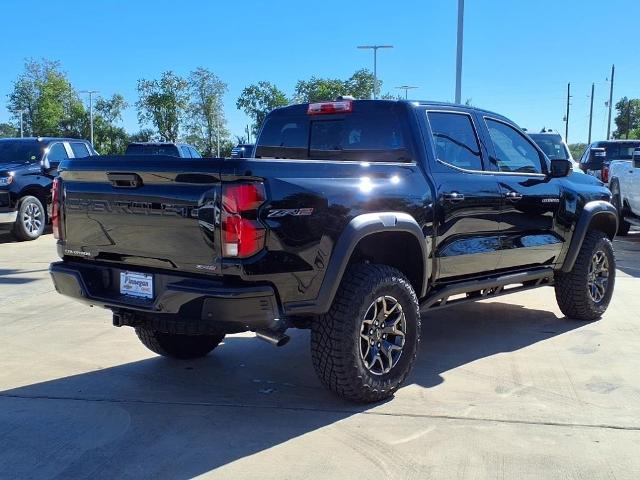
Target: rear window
{"type": "Point", "coordinates": [620, 151]}
{"type": "Point", "coordinates": [137, 149]}
{"type": "Point", "coordinates": [371, 133]}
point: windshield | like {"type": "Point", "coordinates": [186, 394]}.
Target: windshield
{"type": "Point", "coordinates": [20, 151]}
{"type": "Point", "coordinates": [551, 145]}
{"type": "Point", "coordinates": [620, 151]}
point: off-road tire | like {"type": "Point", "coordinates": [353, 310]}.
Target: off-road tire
{"type": "Point", "coordinates": [335, 336]}
{"type": "Point", "coordinates": [623, 225]}
{"type": "Point", "coordinates": [178, 346]}
{"type": "Point", "coordinates": [21, 229]}
{"type": "Point", "coordinates": [571, 288]}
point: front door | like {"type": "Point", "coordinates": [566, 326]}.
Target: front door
{"type": "Point", "coordinates": [467, 199]}
{"type": "Point", "coordinates": [530, 198]}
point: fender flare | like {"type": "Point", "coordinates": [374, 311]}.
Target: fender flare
{"type": "Point", "coordinates": [357, 229]}
{"type": "Point", "coordinates": [597, 211]}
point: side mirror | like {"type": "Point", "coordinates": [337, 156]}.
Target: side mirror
{"type": "Point", "coordinates": [560, 168]}
{"type": "Point", "coordinates": [636, 158]}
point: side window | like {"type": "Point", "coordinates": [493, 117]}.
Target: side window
{"type": "Point", "coordinates": [79, 150]}
{"type": "Point", "coordinates": [455, 140]}
{"type": "Point", "coordinates": [513, 151]}
{"type": "Point", "coordinates": [57, 153]}
{"type": "Point", "coordinates": [185, 151]}
{"type": "Point", "coordinates": [194, 153]}
{"type": "Point", "coordinates": [585, 155]}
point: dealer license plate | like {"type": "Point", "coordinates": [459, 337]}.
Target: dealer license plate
{"type": "Point", "coordinates": [136, 284]}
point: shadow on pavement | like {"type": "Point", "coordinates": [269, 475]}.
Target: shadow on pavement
{"type": "Point", "coordinates": [163, 418]}
{"type": "Point", "coordinates": [7, 237]}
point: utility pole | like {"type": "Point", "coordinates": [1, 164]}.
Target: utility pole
{"type": "Point", "coordinates": [375, 64]}
{"type": "Point", "coordinates": [459, 51]}
{"type": "Point", "coordinates": [406, 89]}
{"type": "Point", "coordinates": [628, 119]}
{"type": "Point", "coordinates": [566, 127]}
{"type": "Point", "coordinates": [90, 92]}
{"type": "Point", "coordinates": [591, 112]}
{"type": "Point", "coordinates": [21, 123]}
{"type": "Point", "coordinates": [613, 71]}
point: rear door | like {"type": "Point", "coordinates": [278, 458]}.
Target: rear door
{"type": "Point", "coordinates": [467, 198]}
{"type": "Point", "coordinates": [530, 199]}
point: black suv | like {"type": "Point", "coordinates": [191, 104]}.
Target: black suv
{"type": "Point", "coordinates": [27, 169]}
{"type": "Point", "coordinates": [353, 217]}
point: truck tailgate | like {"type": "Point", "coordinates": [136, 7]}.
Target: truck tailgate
{"type": "Point", "coordinates": [161, 212]}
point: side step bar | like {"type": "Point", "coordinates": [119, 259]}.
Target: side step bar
{"type": "Point", "coordinates": [489, 288]}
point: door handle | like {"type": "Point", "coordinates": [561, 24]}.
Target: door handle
{"type": "Point", "coordinates": [513, 196]}
{"type": "Point", "coordinates": [124, 180]}
{"type": "Point", "coordinates": [453, 197]}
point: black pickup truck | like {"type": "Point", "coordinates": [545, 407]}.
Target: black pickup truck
{"type": "Point", "coordinates": [352, 219]}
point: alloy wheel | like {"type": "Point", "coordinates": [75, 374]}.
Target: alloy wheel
{"type": "Point", "coordinates": [33, 218]}
{"type": "Point", "coordinates": [598, 276]}
{"type": "Point", "coordinates": [382, 335]}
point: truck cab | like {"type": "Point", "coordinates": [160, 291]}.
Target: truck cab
{"type": "Point", "coordinates": [27, 169]}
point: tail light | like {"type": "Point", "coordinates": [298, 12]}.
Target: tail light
{"type": "Point", "coordinates": [604, 173]}
{"type": "Point", "coordinates": [56, 197]}
{"type": "Point", "coordinates": [242, 234]}
{"type": "Point", "coordinates": [325, 108]}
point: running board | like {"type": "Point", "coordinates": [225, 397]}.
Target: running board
{"type": "Point", "coordinates": [489, 288]}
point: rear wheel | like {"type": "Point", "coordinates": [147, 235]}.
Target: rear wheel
{"type": "Point", "coordinates": [623, 226]}
{"type": "Point", "coordinates": [584, 293]}
{"type": "Point", "coordinates": [365, 346]}
{"type": "Point", "coordinates": [178, 346]}
{"type": "Point", "coordinates": [31, 219]}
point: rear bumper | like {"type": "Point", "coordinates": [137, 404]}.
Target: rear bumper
{"type": "Point", "coordinates": [202, 304]}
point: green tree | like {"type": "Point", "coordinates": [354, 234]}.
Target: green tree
{"type": "Point", "coordinates": [163, 103]}
{"type": "Point", "coordinates": [109, 137]}
{"type": "Point", "coordinates": [47, 101]}
{"type": "Point", "coordinates": [7, 130]}
{"type": "Point", "coordinates": [359, 85]}
{"type": "Point", "coordinates": [257, 100]}
{"type": "Point", "coordinates": [143, 135]}
{"type": "Point", "coordinates": [628, 118]}
{"type": "Point", "coordinates": [207, 123]}
{"type": "Point", "coordinates": [577, 149]}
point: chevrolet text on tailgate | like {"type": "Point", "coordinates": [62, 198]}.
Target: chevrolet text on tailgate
{"type": "Point", "coordinates": [353, 218]}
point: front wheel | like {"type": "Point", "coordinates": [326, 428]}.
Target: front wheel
{"type": "Point", "coordinates": [584, 293]}
{"type": "Point", "coordinates": [365, 346]}
{"type": "Point", "coordinates": [31, 219]}
{"type": "Point", "coordinates": [178, 346]}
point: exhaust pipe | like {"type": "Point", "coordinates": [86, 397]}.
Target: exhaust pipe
{"type": "Point", "coordinates": [278, 339]}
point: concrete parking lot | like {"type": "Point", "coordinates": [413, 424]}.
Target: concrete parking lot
{"type": "Point", "coordinates": [506, 388]}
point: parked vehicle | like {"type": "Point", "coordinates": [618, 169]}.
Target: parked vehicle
{"type": "Point", "coordinates": [625, 188]}
{"type": "Point", "coordinates": [353, 217]}
{"type": "Point", "coordinates": [598, 156]}
{"type": "Point", "coordinates": [242, 150]}
{"type": "Point", "coordinates": [554, 146]}
{"type": "Point", "coordinates": [162, 148]}
{"type": "Point", "coordinates": [27, 169]}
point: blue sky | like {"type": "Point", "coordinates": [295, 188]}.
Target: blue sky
{"type": "Point", "coordinates": [518, 55]}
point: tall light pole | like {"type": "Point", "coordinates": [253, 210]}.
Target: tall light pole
{"type": "Point", "coordinates": [593, 86]}
{"type": "Point", "coordinates": [375, 64]}
{"type": "Point", "coordinates": [459, 51]}
{"type": "Point", "coordinates": [566, 118]}
{"type": "Point", "coordinates": [613, 71]}
{"type": "Point", "coordinates": [90, 92]}
{"type": "Point", "coordinates": [406, 89]}
{"type": "Point", "coordinates": [21, 123]}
